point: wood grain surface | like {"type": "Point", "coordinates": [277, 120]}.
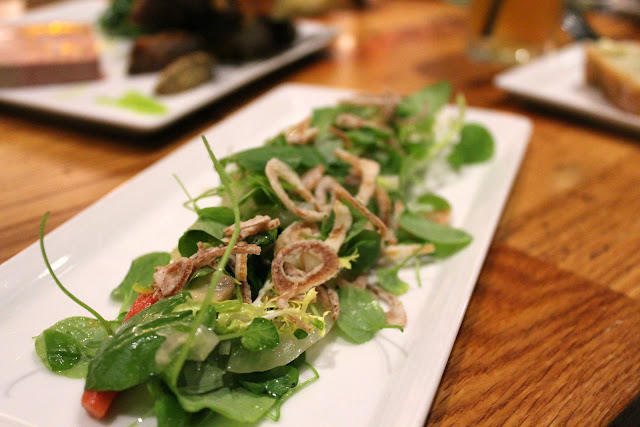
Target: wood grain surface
{"type": "Point", "coordinates": [552, 332]}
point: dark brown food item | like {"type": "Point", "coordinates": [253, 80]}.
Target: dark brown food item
{"type": "Point", "coordinates": [154, 52]}
{"type": "Point", "coordinates": [186, 72]}
{"type": "Point", "coordinates": [235, 39]}
{"type": "Point", "coordinates": [56, 52]}
{"type": "Point", "coordinates": [233, 30]}
{"type": "Point", "coordinates": [154, 15]}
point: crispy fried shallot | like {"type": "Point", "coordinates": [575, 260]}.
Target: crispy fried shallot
{"type": "Point", "coordinates": [311, 178]}
{"type": "Point", "coordinates": [296, 232]}
{"type": "Point", "coordinates": [277, 169]}
{"type": "Point", "coordinates": [403, 251]}
{"type": "Point", "coordinates": [289, 286]}
{"type": "Point", "coordinates": [386, 234]}
{"type": "Point", "coordinates": [299, 323]}
{"type": "Point", "coordinates": [368, 171]}
{"type": "Point", "coordinates": [206, 256]}
{"type": "Point", "coordinates": [441, 217]}
{"type": "Point", "coordinates": [396, 314]}
{"type": "Point", "coordinates": [171, 278]}
{"type": "Point", "coordinates": [341, 225]}
{"type": "Point", "coordinates": [240, 270]}
{"type": "Point", "coordinates": [252, 226]}
{"type": "Point", "coordinates": [359, 282]}
{"type": "Point", "coordinates": [387, 102]}
{"type": "Point", "coordinates": [329, 299]}
{"type": "Point", "coordinates": [301, 134]}
{"type": "Point", "coordinates": [352, 121]}
{"type": "Point", "coordinates": [343, 136]}
{"type": "Point", "coordinates": [384, 204]}
{"type": "Point", "coordinates": [245, 289]}
{"type": "Point", "coordinates": [325, 187]}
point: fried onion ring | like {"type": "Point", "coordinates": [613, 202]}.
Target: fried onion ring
{"type": "Point", "coordinates": [252, 226]}
{"type": "Point", "coordinates": [207, 256]}
{"type": "Point", "coordinates": [296, 232]}
{"type": "Point", "coordinates": [368, 171]}
{"type": "Point", "coordinates": [240, 270]}
{"type": "Point", "coordinates": [277, 169]}
{"type": "Point", "coordinates": [329, 299]}
{"type": "Point", "coordinates": [384, 204]}
{"type": "Point", "coordinates": [403, 251]}
{"type": "Point", "coordinates": [288, 286]}
{"type": "Point", "coordinates": [301, 134]}
{"type": "Point", "coordinates": [171, 278]}
{"type": "Point", "coordinates": [341, 225]}
{"type": "Point", "coordinates": [386, 234]}
{"type": "Point", "coordinates": [311, 178]}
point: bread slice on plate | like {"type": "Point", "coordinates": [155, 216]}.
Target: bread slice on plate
{"type": "Point", "coordinates": [614, 68]}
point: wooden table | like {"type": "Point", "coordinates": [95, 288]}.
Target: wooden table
{"type": "Point", "coordinates": [552, 332]}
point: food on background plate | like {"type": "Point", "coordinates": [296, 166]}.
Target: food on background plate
{"type": "Point", "coordinates": [308, 240]}
{"type": "Point", "coordinates": [185, 73]}
{"type": "Point", "coordinates": [230, 31]}
{"type": "Point", "coordinates": [55, 52]}
{"type": "Point", "coordinates": [153, 52]}
{"type": "Point", "coordinates": [613, 67]}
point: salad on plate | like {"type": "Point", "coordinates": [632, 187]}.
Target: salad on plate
{"type": "Point", "coordinates": [304, 237]}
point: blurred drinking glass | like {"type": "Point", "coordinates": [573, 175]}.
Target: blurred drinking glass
{"type": "Point", "coordinates": [513, 31]}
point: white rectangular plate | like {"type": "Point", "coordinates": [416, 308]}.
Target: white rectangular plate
{"type": "Point", "coordinates": [557, 80]}
{"type": "Point", "coordinates": [79, 100]}
{"type": "Point", "coordinates": [388, 381]}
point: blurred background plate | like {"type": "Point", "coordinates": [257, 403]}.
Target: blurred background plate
{"type": "Point", "coordinates": [79, 100]}
{"type": "Point", "coordinates": [557, 80]}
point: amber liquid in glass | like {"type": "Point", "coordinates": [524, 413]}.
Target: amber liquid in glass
{"type": "Point", "coordinates": [513, 31]}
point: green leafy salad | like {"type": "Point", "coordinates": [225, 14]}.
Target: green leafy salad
{"type": "Point", "coordinates": [311, 233]}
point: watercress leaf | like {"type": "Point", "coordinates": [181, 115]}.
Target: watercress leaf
{"type": "Point", "coordinates": [389, 281]}
{"type": "Point", "coordinates": [166, 407]}
{"type": "Point", "coordinates": [260, 335]}
{"type": "Point", "coordinates": [255, 159]}
{"type": "Point", "coordinates": [67, 347]}
{"type": "Point", "coordinates": [128, 358]}
{"type": "Point", "coordinates": [360, 314]}
{"type": "Point", "coordinates": [201, 377]}
{"type": "Point", "coordinates": [323, 118]}
{"type": "Point", "coordinates": [366, 244]}
{"type": "Point", "coordinates": [63, 352]}
{"type": "Point", "coordinates": [359, 222]}
{"type": "Point", "coordinates": [220, 214]}
{"type": "Point", "coordinates": [446, 239]}
{"type": "Point", "coordinates": [278, 140]}
{"type": "Point", "coordinates": [208, 228]}
{"type": "Point", "coordinates": [430, 100]}
{"type": "Point", "coordinates": [238, 404]}
{"type": "Point", "coordinates": [368, 138]}
{"type": "Point", "coordinates": [430, 202]}
{"type": "Point", "coordinates": [275, 382]}
{"type": "Point", "coordinates": [141, 273]}
{"type": "Point", "coordinates": [300, 334]}
{"type": "Point", "coordinates": [476, 145]}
